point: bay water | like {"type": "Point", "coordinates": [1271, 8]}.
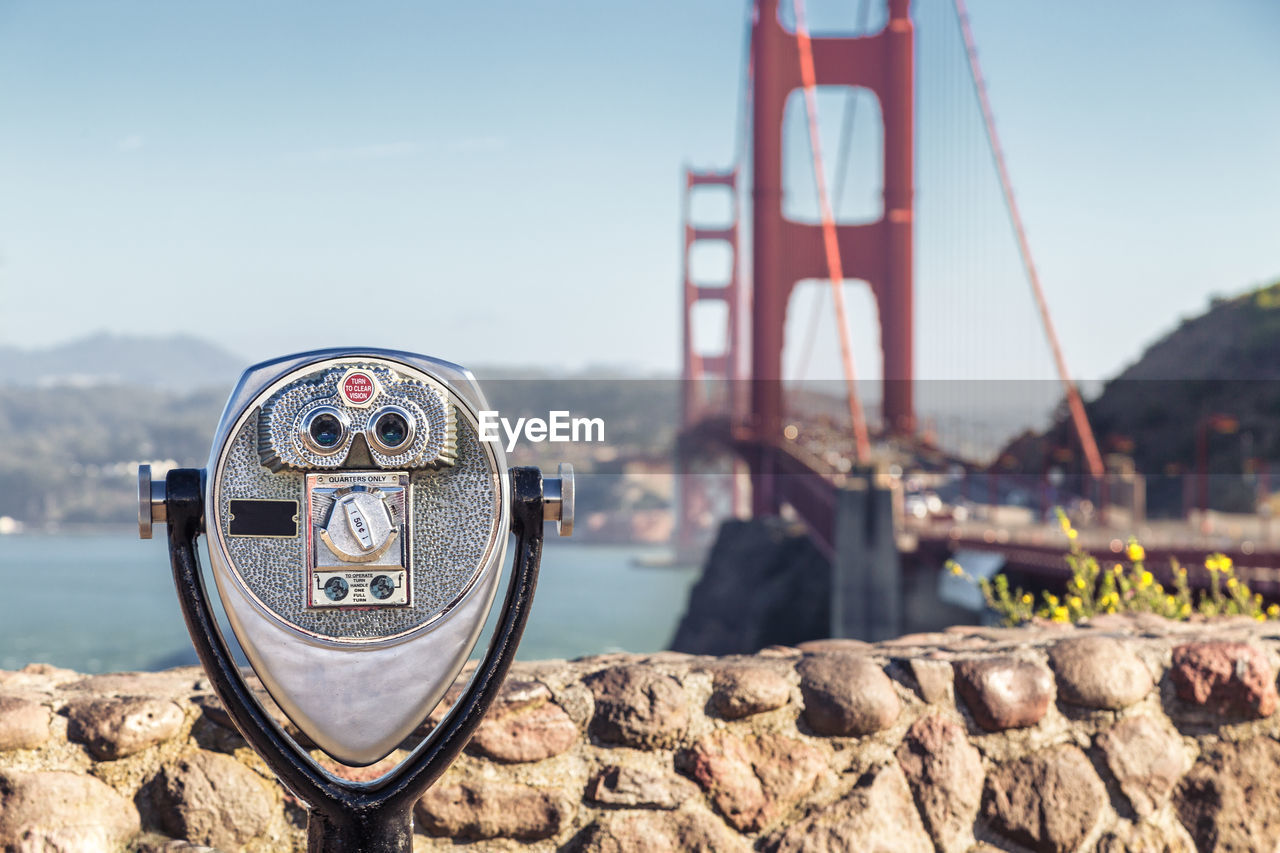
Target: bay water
{"type": "Point", "coordinates": [106, 603]}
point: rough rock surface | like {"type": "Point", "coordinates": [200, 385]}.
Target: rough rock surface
{"type": "Point", "coordinates": [693, 830]}
{"type": "Point", "coordinates": [212, 799]}
{"type": "Point", "coordinates": [754, 780]}
{"type": "Point", "coordinates": [1230, 800]}
{"type": "Point", "coordinates": [476, 810]}
{"type": "Point", "coordinates": [1004, 692]}
{"type": "Point", "coordinates": [1050, 800]}
{"type": "Point", "coordinates": [637, 787]}
{"type": "Point", "coordinates": [60, 811]}
{"type": "Point", "coordinates": [877, 815]}
{"type": "Point", "coordinates": [935, 679]}
{"type": "Point", "coordinates": [24, 724]}
{"type": "Point", "coordinates": [638, 707]}
{"type": "Point", "coordinates": [115, 728]}
{"type": "Point", "coordinates": [655, 756]}
{"type": "Point", "coordinates": [1229, 679]}
{"type": "Point", "coordinates": [847, 694]}
{"type": "Point", "coordinates": [766, 583]}
{"type": "Point", "coordinates": [945, 773]}
{"type": "Point", "coordinates": [526, 727]}
{"type": "Point", "coordinates": [1099, 672]}
{"type": "Point", "coordinates": [1146, 758]}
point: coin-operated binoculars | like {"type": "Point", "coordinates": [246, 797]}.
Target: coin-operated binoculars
{"type": "Point", "coordinates": [357, 528]}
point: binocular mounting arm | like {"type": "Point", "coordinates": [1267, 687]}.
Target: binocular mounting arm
{"type": "Point", "coordinates": [375, 816]}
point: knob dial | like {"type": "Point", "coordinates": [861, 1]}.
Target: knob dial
{"type": "Point", "coordinates": [359, 528]}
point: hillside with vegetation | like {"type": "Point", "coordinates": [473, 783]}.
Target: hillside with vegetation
{"type": "Point", "coordinates": [1215, 379]}
{"type": "Point", "coordinates": [78, 418]}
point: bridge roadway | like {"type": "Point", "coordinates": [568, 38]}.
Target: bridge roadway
{"type": "Point", "coordinates": [1040, 549]}
{"type": "Point", "coordinates": [805, 478]}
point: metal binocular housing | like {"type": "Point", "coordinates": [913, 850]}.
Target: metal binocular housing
{"type": "Point", "coordinates": [357, 531]}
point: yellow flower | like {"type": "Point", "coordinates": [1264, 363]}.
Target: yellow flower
{"type": "Point", "coordinates": [1261, 618]}
{"type": "Point", "coordinates": [1136, 552]}
{"type": "Point", "coordinates": [1117, 569]}
{"type": "Point", "coordinates": [1064, 521]}
{"type": "Point", "coordinates": [1060, 614]}
{"type": "Point", "coordinates": [956, 570]}
{"type": "Point", "coordinates": [1171, 601]}
{"type": "Point", "coordinates": [1080, 583]}
{"type": "Point", "coordinates": [1185, 610]}
{"type": "Point", "coordinates": [1217, 563]}
{"type": "Point", "coordinates": [1232, 583]}
{"type": "Point", "coordinates": [1273, 611]}
{"type": "Point", "coordinates": [1072, 534]}
{"type": "Point", "coordinates": [1052, 599]}
{"type": "Point", "coordinates": [1026, 598]}
{"type": "Point", "coordinates": [1074, 601]}
{"type": "Point", "coordinates": [1144, 580]}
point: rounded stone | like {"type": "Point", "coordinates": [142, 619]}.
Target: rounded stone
{"type": "Point", "coordinates": [1004, 692]}
{"type": "Point", "coordinates": [115, 728]}
{"type": "Point", "coordinates": [1099, 672]}
{"type": "Point", "coordinates": [1227, 679]}
{"type": "Point", "coordinates": [59, 811]}
{"type": "Point", "coordinates": [636, 706]}
{"type": "Point", "coordinates": [847, 695]}
{"type": "Point", "coordinates": [24, 724]}
{"type": "Point", "coordinates": [210, 798]}
{"type": "Point", "coordinates": [741, 691]}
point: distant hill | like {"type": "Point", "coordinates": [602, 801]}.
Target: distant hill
{"type": "Point", "coordinates": [174, 362]}
{"type": "Point", "coordinates": [76, 419]}
{"type": "Point", "coordinates": [1217, 373]}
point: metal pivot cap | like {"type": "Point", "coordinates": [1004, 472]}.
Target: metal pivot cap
{"type": "Point", "coordinates": [557, 499]}
{"type": "Point", "coordinates": [151, 506]}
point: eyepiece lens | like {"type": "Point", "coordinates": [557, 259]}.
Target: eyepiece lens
{"type": "Point", "coordinates": [326, 430]}
{"type": "Point", "coordinates": [392, 429]}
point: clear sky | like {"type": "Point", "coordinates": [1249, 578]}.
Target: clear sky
{"type": "Point", "coordinates": [500, 183]}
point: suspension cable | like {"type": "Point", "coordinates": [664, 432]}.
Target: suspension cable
{"type": "Point", "coordinates": [1074, 403]}
{"type": "Point", "coordinates": [809, 77]}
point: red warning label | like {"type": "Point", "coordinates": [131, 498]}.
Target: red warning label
{"type": "Point", "coordinates": [357, 388]}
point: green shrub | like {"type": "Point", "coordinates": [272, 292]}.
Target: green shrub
{"type": "Point", "coordinates": [1125, 586]}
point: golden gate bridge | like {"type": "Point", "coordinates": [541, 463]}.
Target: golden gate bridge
{"type": "Point", "coordinates": [752, 440]}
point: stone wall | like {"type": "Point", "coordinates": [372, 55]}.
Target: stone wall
{"type": "Point", "coordinates": [1130, 734]}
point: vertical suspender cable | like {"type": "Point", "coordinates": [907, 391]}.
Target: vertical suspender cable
{"type": "Point", "coordinates": [842, 171]}
{"type": "Point", "coordinates": [1074, 403]}
{"type": "Point", "coordinates": [808, 76]}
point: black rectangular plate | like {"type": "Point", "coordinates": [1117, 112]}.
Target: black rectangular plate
{"type": "Point", "coordinates": [277, 519]}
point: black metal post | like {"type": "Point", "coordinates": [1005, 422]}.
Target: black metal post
{"type": "Point", "coordinates": [346, 817]}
